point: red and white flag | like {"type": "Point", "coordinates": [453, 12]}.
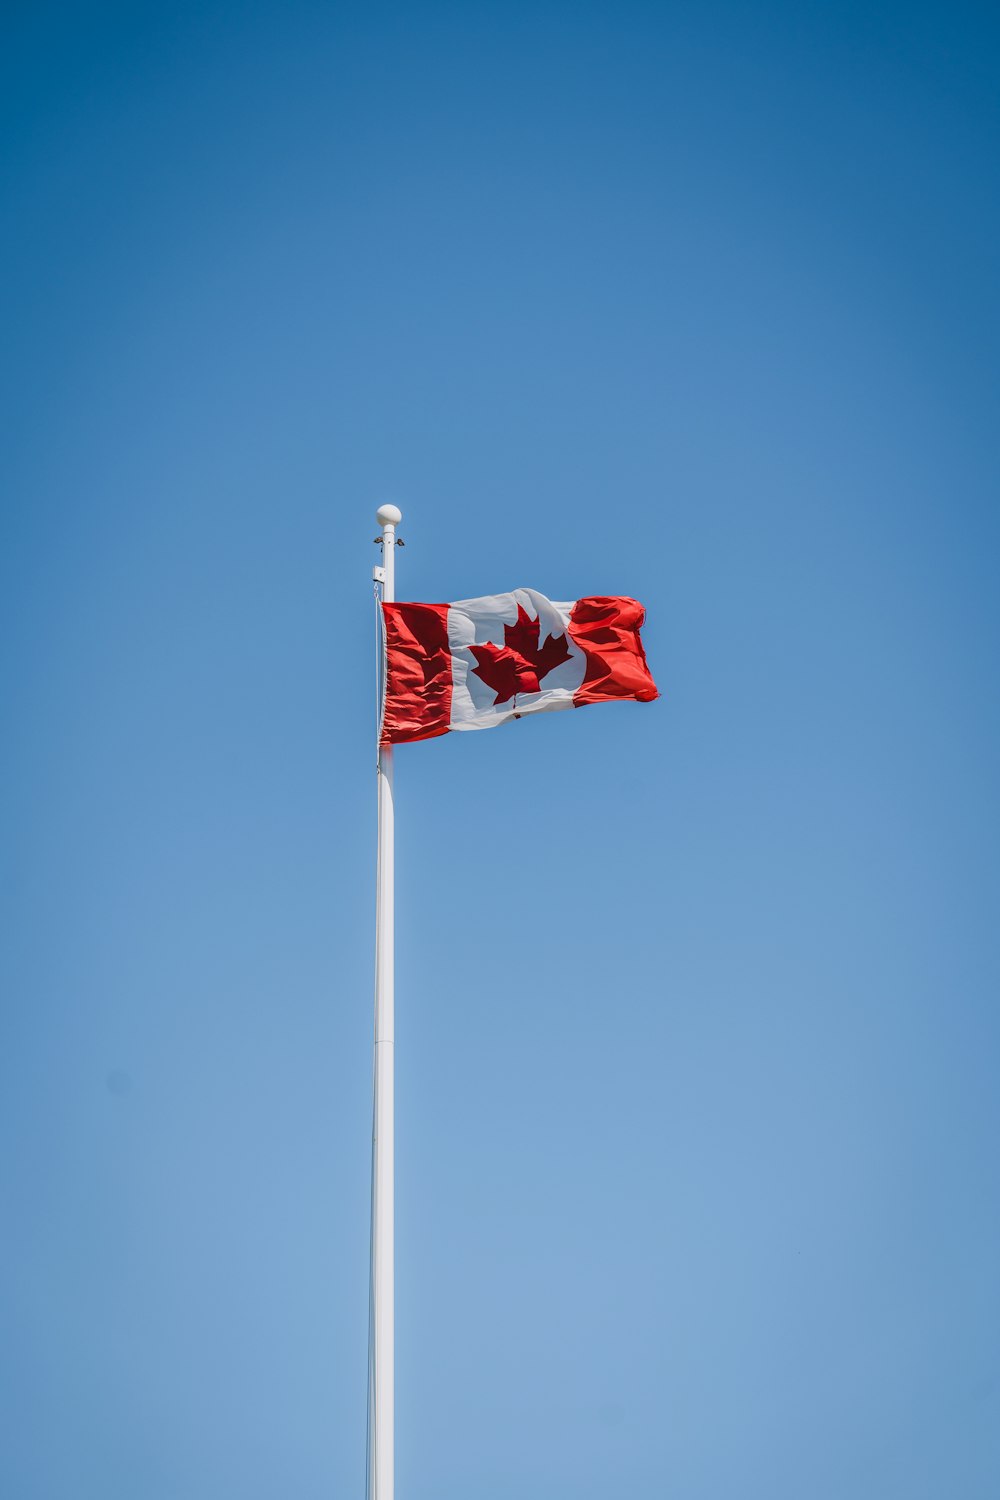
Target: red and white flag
{"type": "Point", "coordinates": [480, 662]}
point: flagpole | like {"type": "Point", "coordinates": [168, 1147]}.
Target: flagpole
{"type": "Point", "coordinates": [381, 1381]}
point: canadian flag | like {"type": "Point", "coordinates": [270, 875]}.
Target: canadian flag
{"type": "Point", "coordinates": [480, 662]}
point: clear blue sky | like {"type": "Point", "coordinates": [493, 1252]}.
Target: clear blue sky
{"type": "Point", "coordinates": [698, 1111]}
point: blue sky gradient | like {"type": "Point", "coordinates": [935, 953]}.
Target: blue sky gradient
{"type": "Point", "coordinates": [697, 1021]}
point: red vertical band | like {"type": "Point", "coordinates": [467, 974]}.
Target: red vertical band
{"type": "Point", "coordinates": [607, 632]}
{"type": "Point", "coordinates": [418, 672]}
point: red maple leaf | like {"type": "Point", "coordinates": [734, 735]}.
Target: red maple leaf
{"type": "Point", "coordinates": [518, 666]}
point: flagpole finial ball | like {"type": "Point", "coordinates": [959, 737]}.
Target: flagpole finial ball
{"type": "Point", "coordinates": [388, 515]}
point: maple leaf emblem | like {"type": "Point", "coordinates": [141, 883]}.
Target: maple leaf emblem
{"type": "Point", "coordinates": [518, 666]}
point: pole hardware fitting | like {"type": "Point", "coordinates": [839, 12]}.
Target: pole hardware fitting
{"type": "Point", "coordinates": [378, 575]}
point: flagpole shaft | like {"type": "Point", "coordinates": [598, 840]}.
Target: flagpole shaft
{"type": "Point", "coordinates": [382, 1385]}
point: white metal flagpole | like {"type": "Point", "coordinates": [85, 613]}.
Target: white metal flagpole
{"type": "Point", "coordinates": [381, 1354]}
